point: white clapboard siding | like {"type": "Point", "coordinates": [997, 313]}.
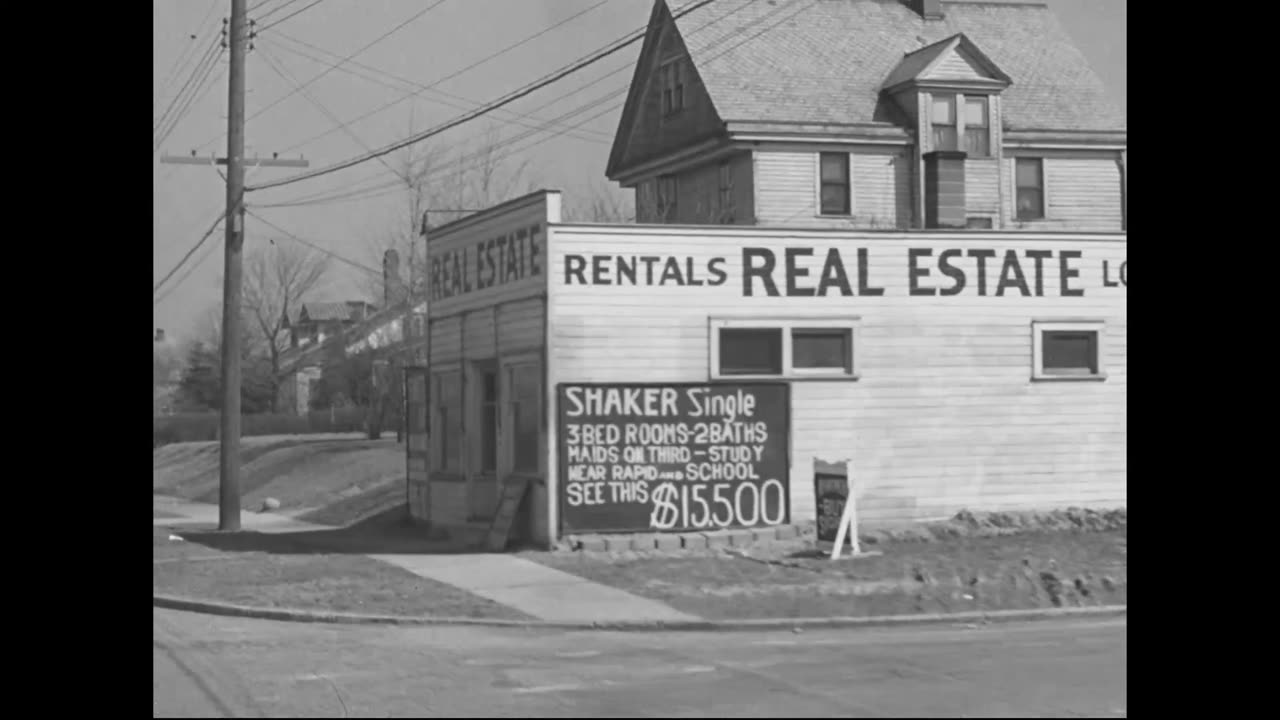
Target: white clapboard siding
{"type": "Point", "coordinates": [521, 326]}
{"type": "Point", "coordinates": [982, 188]}
{"type": "Point", "coordinates": [944, 415]}
{"type": "Point", "coordinates": [1082, 193]}
{"type": "Point", "coordinates": [786, 189]}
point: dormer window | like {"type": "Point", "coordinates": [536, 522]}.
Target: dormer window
{"type": "Point", "coordinates": [974, 124]}
{"type": "Point", "coordinates": [977, 127]}
{"type": "Point", "coordinates": [673, 86]}
{"type": "Point", "coordinates": [944, 122]}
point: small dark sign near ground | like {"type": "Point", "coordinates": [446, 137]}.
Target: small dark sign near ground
{"type": "Point", "coordinates": [673, 457]}
{"type": "Point", "coordinates": [831, 492]}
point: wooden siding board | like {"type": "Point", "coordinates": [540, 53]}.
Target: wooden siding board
{"type": "Point", "coordinates": [945, 415]}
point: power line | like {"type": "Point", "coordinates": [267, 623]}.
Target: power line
{"type": "Point", "coordinates": [209, 53]}
{"type": "Point", "coordinates": [470, 104]}
{"type": "Point", "coordinates": [313, 246]}
{"type": "Point", "coordinates": [202, 88]}
{"type": "Point", "coordinates": [288, 77]}
{"type": "Point", "coordinates": [456, 73]}
{"type": "Point", "coordinates": [510, 98]}
{"type": "Point", "coordinates": [292, 14]}
{"type": "Point", "coordinates": [183, 278]}
{"type": "Point", "coordinates": [377, 190]}
{"type": "Point", "coordinates": [379, 39]}
{"type": "Point", "coordinates": [217, 221]}
{"type": "Point", "coordinates": [186, 55]}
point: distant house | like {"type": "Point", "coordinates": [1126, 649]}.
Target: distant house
{"type": "Point", "coordinates": [315, 321]}
{"type": "Point", "coordinates": [870, 114]}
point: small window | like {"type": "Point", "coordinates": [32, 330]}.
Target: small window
{"type": "Point", "coordinates": [979, 223]}
{"type": "Point", "coordinates": [820, 348]}
{"type": "Point", "coordinates": [834, 178]}
{"type": "Point", "coordinates": [1029, 181]}
{"type": "Point", "coordinates": [672, 75]}
{"type": "Point", "coordinates": [750, 351]}
{"type": "Point", "coordinates": [668, 190]}
{"type": "Point", "coordinates": [726, 192]}
{"type": "Point", "coordinates": [1067, 350]}
{"type": "Point", "coordinates": [977, 128]}
{"type": "Point", "coordinates": [944, 122]}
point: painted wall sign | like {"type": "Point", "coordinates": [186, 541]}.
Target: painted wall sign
{"type": "Point", "coordinates": [668, 457]}
{"type": "Point", "coordinates": [810, 272]}
{"type": "Point", "coordinates": [499, 260]}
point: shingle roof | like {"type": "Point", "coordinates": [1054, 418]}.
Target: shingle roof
{"type": "Point", "coordinates": [824, 61]}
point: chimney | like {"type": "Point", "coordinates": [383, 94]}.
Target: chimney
{"type": "Point", "coordinates": [159, 335]}
{"type": "Point", "coordinates": [927, 9]}
{"type": "Point", "coordinates": [944, 189]}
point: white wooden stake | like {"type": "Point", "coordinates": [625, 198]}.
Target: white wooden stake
{"type": "Point", "coordinates": [848, 519]}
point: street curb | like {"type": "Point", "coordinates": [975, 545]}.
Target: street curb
{"type": "Point", "coordinates": [171, 602]}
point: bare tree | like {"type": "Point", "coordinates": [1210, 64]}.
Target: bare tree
{"type": "Point", "coordinates": [276, 278]}
{"type": "Point", "coordinates": [447, 186]}
{"type": "Point", "coordinates": [601, 204]}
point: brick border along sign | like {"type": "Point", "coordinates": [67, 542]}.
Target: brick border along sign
{"type": "Point", "coordinates": [673, 457]}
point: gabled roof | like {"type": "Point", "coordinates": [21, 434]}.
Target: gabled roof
{"type": "Point", "coordinates": [824, 62]}
{"type": "Point", "coordinates": [327, 311]}
{"type": "Point", "coordinates": [921, 63]}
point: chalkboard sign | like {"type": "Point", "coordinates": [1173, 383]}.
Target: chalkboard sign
{"type": "Point", "coordinates": [513, 491]}
{"type": "Point", "coordinates": [831, 492]}
{"type": "Point", "coordinates": [650, 457]}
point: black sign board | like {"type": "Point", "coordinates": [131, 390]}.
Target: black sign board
{"type": "Point", "coordinates": [831, 491]}
{"type": "Point", "coordinates": [653, 457]}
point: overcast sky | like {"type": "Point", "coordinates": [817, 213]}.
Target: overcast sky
{"type": "Point", "coordinates": [436, 44]}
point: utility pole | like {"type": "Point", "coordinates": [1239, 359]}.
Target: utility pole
{"type": "Point", "coordinates": [229, 456]}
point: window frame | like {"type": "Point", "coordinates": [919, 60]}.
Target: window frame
{"type": "Point", "coordinates": [725, 196]}
{"type": "Point", "coordinates": [1039, 328]}
{"type": "Point", "coordinates": [962, 119]}
{"type": "Point", "coordinates": [955, 103]}
{"type": "Point", "coordinates": [788, 326]}
{"type": "Point", "coordinates": [671, 74]}
{"type": "Point", "coordinates": [511, 365]}
{"type": "Point", "coordinates": [1043, 189]}
{"type": "Point", "coordinates": [847, 185]}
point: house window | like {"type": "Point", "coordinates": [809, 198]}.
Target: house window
{"type": "Point", "coordinates": [977, 126]}
{"type": "Point", "coordinates": [1029, 188]}
{"type": "Point", "coordinates": [673, 87]}
{"type": "Point", "coordinates": [668, 188]}
{"type": "Point", "coordinates": [447, 427]}
{"type": "Point", "coordinates": [793, 348]}
{"type": "Point", "coordinates": [944, 122]}
{"type": "Point", "coordinates": [1067, 350]}
{"type": "Point", "coordinates": [726, 192]}
{"type": "Point", "coordinates": [834, 181]}
{"type": "Point", "coordinates": [526, 411]}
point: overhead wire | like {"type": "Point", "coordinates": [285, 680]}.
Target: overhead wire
{"type": "Point", "coordinates": [456, 73]}
{"type": "Point", "coordinates": [201, 66]}
{"type": "Point", "coordinates": [187, 53]}
{"type": "Point", "coordinates": [330, 253]}
{"type": "Point", "coordinates": [506, 100]}
{"type": "Point", "coordinates": [516, 118]}
{"type": "Point", "coordinates": [350, 194]}
{"type": "Point", "coordinates": [193, 100]}
{"type": "Point", "coordinates": [217, 221]}
{"type": "Point", "coordinates": [290, 15]}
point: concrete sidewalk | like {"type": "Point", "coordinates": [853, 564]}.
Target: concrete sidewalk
{"type": "Point", "coordinates": [539, 591]}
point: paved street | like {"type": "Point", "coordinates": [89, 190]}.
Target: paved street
{"type": "Point", "coordinates": [209, 666]}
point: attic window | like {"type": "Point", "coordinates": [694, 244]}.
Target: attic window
{"type": "Point", "coordinates": [672, 74]}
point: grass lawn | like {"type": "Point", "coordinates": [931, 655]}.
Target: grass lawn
{"type": "Point", "coordinates": [1028, 570]}
{"type": "Point", "coordinates": [300, 577]}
